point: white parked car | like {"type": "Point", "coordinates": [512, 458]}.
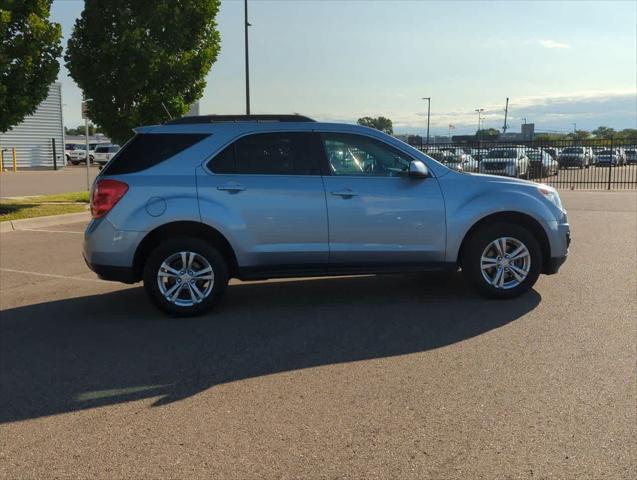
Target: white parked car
{"type": "Point", "coordinates": [74, 153]}
{"type": "Point", "coordinates": [103, 153]}
{"type": "Point", "coordinates": [506, 161]}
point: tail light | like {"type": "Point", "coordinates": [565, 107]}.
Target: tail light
{"type": "Point", "coordinates": [105, 195]}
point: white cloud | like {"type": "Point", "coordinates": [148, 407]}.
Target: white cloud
{"type": "Point", "coordinates": [553, 44]}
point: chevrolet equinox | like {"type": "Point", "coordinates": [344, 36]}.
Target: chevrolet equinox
{"type": "Point", "coordinates": [189, 204]}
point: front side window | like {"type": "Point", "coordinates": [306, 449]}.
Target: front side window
{"type": "Point", "coordinates": [285, 153]}
{"type": "Point", "coordinates": [357, 155]}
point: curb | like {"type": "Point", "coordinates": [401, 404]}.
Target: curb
{"type": "Point", "coordinates": [48, 221]}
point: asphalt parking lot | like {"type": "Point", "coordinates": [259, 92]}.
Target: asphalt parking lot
{"type": "Point", "coordinates": [359, 377]}
{"type": "Point", "coordinates": [45, 182]}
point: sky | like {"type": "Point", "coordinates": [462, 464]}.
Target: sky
{"type": "Point", "coordinates": [560, 63]}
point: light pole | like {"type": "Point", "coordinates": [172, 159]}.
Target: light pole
{"type": "Point", "coordinates": [479, 110]}
{"type": "Point", "coordinates": [428, 115]}
{"type": "Point", "coordinates": [574, 127]}
{"type": "Point", "coordinates": [246, 25]}
{"type": "Point", "coordinates": [88, 158]}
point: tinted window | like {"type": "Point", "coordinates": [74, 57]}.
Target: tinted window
{"type": "Point", "coordinates": [269, 154]}
{"type": "Point", "coordinates": [101, 150]}
{"type": "Point", "coordinates": [358, 155]}
{"type": "Point", "coordinates": [146, 150]}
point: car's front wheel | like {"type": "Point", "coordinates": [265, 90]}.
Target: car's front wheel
{"type": "Point", "coordinates": [185, 276]}
{"type": "Point", "coordinates": [502, 260]}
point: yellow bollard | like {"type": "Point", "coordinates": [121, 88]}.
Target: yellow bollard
{"type": "Point", "coordinates": [15, 163]}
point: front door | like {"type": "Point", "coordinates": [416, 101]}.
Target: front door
{"type": "Point", "coordinates": [378, 215]}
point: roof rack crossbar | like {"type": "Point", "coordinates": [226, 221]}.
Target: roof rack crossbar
{"type": "Point", "coordinates": [238, 118]}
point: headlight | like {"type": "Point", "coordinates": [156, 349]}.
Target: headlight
{"type": "Point", "coordinates": [551, 195]}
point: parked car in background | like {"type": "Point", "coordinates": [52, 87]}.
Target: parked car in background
{"type": "Point", "coordinates": [580, 157]}
{"type": "Point", "coordinates": [189, 204]}
{"type": "Point", "coordinates": [458, 162]}
{"type": "Point", "coordinates": [541, 164]}
{"type": "Point", "coordinates": [554, 152]}
{"type": "Point", "coordinates": [631, 155]}
{"type": "Point", "coordinates": [507, 161]}
{"type": "Point", "coordinates": [479, 153]}
{"type": "Point", "coordinates": [610, 157]}
{"type": "Point", "coordinates": [103, 153]}
{"type": "Point", "coordinates": [75, 153]}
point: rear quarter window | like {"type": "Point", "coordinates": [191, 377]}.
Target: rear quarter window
{"type": "Point", "coordinates": [146, 150]}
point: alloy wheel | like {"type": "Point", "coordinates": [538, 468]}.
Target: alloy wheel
{"type": "Point", "coordinates": [185, 278]}
{"type": "Point", "coordinates": [505, 263]}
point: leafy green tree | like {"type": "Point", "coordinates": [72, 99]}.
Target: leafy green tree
{"type": "Point", "coordinates": [414, 140]}
{"type": "Point", "coordinates": [380, 123]}
{"type": "Point", "coordinates": [81, 130]}
{"type": "Point", "coordinates": [28, 58]}
{"type": "Point", "coordinates": [488, 133]}
{"type": "Point", "coordinates": [579, 135]}
{"type": "Point", "coordinates": [547, 137]}
{"type": "Point", "coordinates": [628, 135]}
{"type": "Point", "coordinates": [132, 56]}
{"type": "Point", "coordinates": [604, 132]}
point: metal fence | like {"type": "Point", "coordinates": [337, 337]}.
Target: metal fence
{"type": "Point", "coordinates": [568, 164]}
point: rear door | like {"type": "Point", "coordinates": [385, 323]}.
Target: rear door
{"type": "Point", "coordinates": [266, 191]}
{"type": "Point", "coordinates": [378, 215]}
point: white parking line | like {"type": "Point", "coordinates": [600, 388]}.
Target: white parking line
{"type": "Point", "coordinates": [47, 231]}
{"type": "Point", "coordinates": [51, 275]}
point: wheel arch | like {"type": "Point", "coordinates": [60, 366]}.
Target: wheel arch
{"type": "Point", "coordinates": [517, 218]}
{"type": "Point", "coordinates": [183, 229]}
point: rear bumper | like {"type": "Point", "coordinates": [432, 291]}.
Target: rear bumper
{"type": "Point", "coordinates": [113, 274]}
{"type": "Point", "coordinates": [109, 252]}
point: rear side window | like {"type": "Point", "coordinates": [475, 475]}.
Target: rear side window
{"type": "Point", "coordinates": [286, 153]}
{"type": "Point", "coordinates": [146, 150]}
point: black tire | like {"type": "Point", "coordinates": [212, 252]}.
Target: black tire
{"type": "Point", "coordinates": [175, 245]}
{"type": "Point", "coordinates": [478, 242]}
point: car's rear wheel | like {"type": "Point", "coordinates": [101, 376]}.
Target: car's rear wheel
{"type": "Point", "coordinates": [185, 276]}
{"type": "Point", "coordinates": [502, 260]}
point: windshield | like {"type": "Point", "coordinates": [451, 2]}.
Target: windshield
{"type": "Point", "coordinates": [502, 154]}
{"type": "Point", "coordinates": [606, 152]}
{"type": "Point", "coordinates": [576, 150]}
{"type": "Point", "coordinates": [534, 155]}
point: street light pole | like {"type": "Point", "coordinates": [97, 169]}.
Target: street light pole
{"type": "Point", "coordinates": [88, 159]}
{"type": "Point", "coordinates": [246, 25]}
{"type": "Point", "coordinates": [479, 110]}
{"type": "Point", "coordinates": [428, 115]}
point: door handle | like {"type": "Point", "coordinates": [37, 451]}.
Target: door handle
{"type": "Point", "coordinates": [231, 187]}
{"type": "Point", "coordinates": [345, 193]}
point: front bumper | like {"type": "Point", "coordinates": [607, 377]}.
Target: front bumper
{"type": "Point", "coordinates": [559, 250]}
{"type": "Point", "coordinates": [571, 162]}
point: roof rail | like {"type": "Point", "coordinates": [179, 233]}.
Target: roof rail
{"type": "Point", "coordinates": [238, 118]}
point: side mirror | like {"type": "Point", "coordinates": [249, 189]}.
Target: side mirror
{"type": "Point", "coordinates": [417, 169]}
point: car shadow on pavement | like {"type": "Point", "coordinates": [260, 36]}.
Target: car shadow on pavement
{"type": "Point", "coordinates": [97, 350]}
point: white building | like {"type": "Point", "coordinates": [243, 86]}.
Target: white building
{"type": "Point", "coordinates": [34, 138]}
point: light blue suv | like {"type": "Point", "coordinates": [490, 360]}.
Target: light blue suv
{"type": "Point", "coordinates": [187, 205]}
